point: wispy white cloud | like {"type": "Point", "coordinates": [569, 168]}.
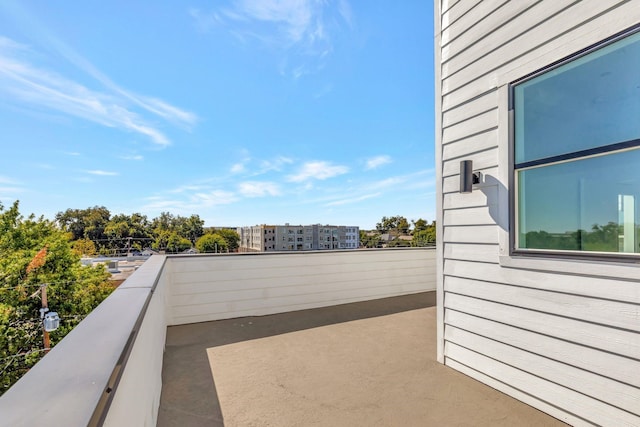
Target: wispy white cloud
{"type": "Point", "coordinates": [151, 104]}
{"type": "Point", "coordinates": [253, 167]}
{"type": "Point", "coordinates": [7, 180]}
{"type": "Point", "coordinates": [10, 190]}
{"type": "Point", "coordinates": [238, 168]}
{"type": "Point", "coordinates": [293, 18]}
{"type": "Point", "coordinates": [189, 202]}
{"type": "Point", "coordinates": [9, 193]}
{"type": "Point", "coordinates": [160, 204]}
{"type": "Point", "coordinates": [159, 107]}
{"type": "Point", "coordinates": [72, 153]}
{"type": "Point", "coordinates": [213, 198]}
{"type": "Point", "coordinates": [99, 172]}
{"type": "Point", "coordinates": [136, 157]}
{"type": "Point", "coordinates": [189, 188]}
{"type": "Point", "coordinates": [27, 84]}
{"type": "Point", "coordinates": [259, 189]}
{"type": "Point", "coordinates": [419, 179]}
{"type": "Point", "coordinates": [318, 170]}
{"type": "Point", "coordinates": [353, 199]}
{"type": "Point", "coordinates": [345, 11]}
{"type": "Point", "coordinates": [276, 164]}
{"type": "Point", "coordinates": [376, 162]}
{"type": "Point", "coordinates": [303, 28]}
{"type": "Point", "coordinates": [205, 21]}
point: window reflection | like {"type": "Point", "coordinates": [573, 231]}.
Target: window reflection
{"type": "Point", "coordinates": [586, 103]}
{"type": "Point", "coordinates": [584, 205]}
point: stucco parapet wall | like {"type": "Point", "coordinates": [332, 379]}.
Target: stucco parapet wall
{"type": "Point", "coordinates": [66, 386]}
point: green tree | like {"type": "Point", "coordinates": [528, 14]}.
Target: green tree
{"type": "Point", "coordinates": [85, 223]}
{"type": "Point", "coordinates": [164, 222]}
{"type": "Point", "coordinates": [162, 228]}
{"type": "Point", "coordinates": [383, 225]}
{"type": "Point", "coordinates": [167, 225]}
{"type": "Point", "coordinates": [369, 239]}
{"type": "Point", "coordinates": [35, 252]}
{"type": "Point", "coordinates": [394, 225]}
{"type": "Point", "coordinates": [231, 237]}
{"type": "Point", "coordinates": [399, 243]}
{"type": "Point", "coordinates": [84, 247]}
{"type": "Point", "coordinates": [425, 237]}
{"type": "Point", "coordinates": [128, 231]}
{"type": "Point", "coordinates": [192, 228]}
{"type": "Point", "coordinates": [403, 225]}
{"type": "Point", "coordinates": [177, 243]}
{"type": "Point", "coordinates": [211, 243]}
{"type": "Point", "coordinates": [420, 225]}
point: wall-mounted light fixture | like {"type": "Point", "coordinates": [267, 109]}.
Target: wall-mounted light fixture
{"type": "Point", "coordinates": [467, 176]}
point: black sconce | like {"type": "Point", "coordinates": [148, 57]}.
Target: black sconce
{"type": "Point", "coordinates": [467, 176]}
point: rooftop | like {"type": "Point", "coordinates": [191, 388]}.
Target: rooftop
{"type": "Point", "coordinates": [370, 363]}
{"type": "Point", "coordinates": [317, 338]}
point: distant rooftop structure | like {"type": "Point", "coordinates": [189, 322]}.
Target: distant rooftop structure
{"type": "Point", "coordinates": [271, 238]}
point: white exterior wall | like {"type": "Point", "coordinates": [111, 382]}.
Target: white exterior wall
{"type": "Point", "coordinates": [70, 382]}
{"type": "Point", "coordinates": [207, 288]}
{"type": "Point", "coordinates": [124, 337]}
{"type": "Point", "coordinates": [137, 397]}
{"type": "Point", "coordinates": [563, 336]}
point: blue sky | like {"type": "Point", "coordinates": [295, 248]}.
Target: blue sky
{"type": "Point", "coordinates": [243, 112]}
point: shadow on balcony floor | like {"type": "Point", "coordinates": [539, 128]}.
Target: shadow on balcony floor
{"type": "Point", "coordinates": [361, 364]}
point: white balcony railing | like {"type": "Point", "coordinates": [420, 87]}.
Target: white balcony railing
{"type": "Point", "coordinates": [107, 371]}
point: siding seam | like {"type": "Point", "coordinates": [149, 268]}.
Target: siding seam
{"type": "Point", "coordinates": [514, 38]}
{"type": "Point", "coordinates": [543, 378]}
{"type": "Point", "coordinates": [541, 311]}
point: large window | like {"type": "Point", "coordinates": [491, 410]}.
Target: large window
{"type": "Point", "coordinates": [576, 129]}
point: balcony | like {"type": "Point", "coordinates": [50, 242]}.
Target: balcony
{"type": "Point", "coordinates": [321, 338]}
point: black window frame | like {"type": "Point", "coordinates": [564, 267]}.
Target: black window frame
{"type": "Point", "coordinates": [514, 167]}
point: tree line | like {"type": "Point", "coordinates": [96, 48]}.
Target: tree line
{"type": "Point", "coordinates": [601, 238]}
{"type": "Point", "coordinates": [37, 253]}
{"type": "Point", "coordinates": [397, 231]}
{"type": "Point", "coordinates": [95, 231]}
{"type": "Point", "coordinates": [34, 253]}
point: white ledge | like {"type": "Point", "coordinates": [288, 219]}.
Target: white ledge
{"type": "Point", "coordinates": [604, 269]}
{"type": "Point", "coordinates": [67, 384]}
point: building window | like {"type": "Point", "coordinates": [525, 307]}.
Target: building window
{"type": "Point", "coordinates": [576, 132]}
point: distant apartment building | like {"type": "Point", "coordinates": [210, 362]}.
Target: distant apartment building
{"type": "Point", "coordinates": [259, 238]}
{"type": "Point", "coordinates": [269, 238]}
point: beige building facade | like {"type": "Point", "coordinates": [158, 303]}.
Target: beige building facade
{"type": "Point", "coordinates": [287, 237]}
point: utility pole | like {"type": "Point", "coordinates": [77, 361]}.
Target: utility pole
{"type": "Point", "coordinates": [43, 310]}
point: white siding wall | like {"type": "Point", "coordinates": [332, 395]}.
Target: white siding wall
{"type": "Point", "coordinates": [70, 384]}
{"type": "Point", "coordinates": [137, 397]}
{"type": "Point", "coordinates": [561, 336]}
{"type": "Point", "coordinates": [68, 387]}
{"type": "Point", "coordinates": [207, 288]}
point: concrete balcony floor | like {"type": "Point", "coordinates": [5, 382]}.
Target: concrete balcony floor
{"type": "Point", "coordinates": [361, 364]}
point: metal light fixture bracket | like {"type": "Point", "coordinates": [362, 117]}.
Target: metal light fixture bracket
{"type": "Point", "coordinates": [467, 177]}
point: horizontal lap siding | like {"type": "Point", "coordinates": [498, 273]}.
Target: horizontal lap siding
{"type": "Point", "coordinates": [567, 344]}
{"type": "Point", "coordinates": [218, 287]}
